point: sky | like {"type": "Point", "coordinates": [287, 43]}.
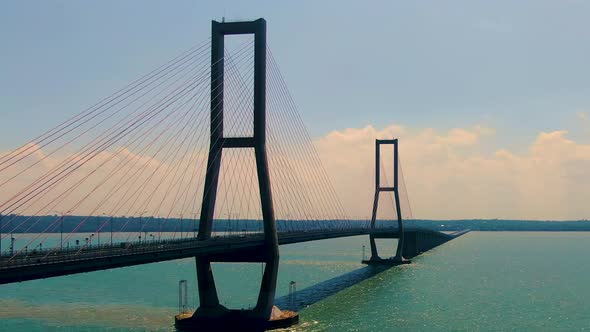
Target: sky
{"type": "Point", "coordinates": [491, 100]}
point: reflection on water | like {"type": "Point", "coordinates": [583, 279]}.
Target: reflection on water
{"type": "Point", "coordinates": [480, 281]}
{"type": "Point", "coordinates": [145, 297]}
{"type": "Point", "coordinates": [506, 281]}
{"type": "Point", "coordinates": [86, 314]}
{"type": "Point", "coordinates": [308, 296]}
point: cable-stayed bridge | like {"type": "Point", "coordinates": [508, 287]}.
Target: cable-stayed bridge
{"type": "Point", "coordinates": [212, 137]}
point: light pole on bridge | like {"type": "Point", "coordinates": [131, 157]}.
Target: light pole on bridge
{"type": "Point", "coordinates": [159, 228]}
{"type": "Point", "coordinates": [61, 228]}
{"type": "Point", "coordinates": [181, 226]}
{"type": "Point", "coordinates": [12, 240]}
{"type": "Point", "coordinates": [0, 234]}
{"type": "Point", "coordinates": [111, 224]}
{"type": "Point", "coordinates": [98, 227]}
{"type": "Point", "coordinates": [141, 224]}
{"type": "Point", "coordinates": [195, 224]}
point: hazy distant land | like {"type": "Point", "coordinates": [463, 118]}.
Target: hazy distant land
{"type": "Point", "coordinates": [28, 224]}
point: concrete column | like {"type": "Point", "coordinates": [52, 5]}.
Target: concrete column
{"type": "Point", "coordinates": [209, 302]}
{"type": "Point", "coordinates": [374, 253]}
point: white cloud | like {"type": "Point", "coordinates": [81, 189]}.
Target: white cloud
{"type": "Point", "coordinates": [449, 175]}
{"type": "Point", "coordinates": [447, 181]}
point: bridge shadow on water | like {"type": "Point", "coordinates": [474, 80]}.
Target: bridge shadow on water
{"type": "Point", "coordinates": [318, 292]}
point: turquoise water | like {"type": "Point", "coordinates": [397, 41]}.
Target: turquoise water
{"type": "Point", "coordinates": [481, 281]}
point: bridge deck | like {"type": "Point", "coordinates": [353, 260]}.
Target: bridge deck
{"type": "Point", "coordinates": [47, 263]}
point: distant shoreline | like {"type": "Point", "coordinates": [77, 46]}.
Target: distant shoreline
{"type": "Point", "coordinates": [85, 224]}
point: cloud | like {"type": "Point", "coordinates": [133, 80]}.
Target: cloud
{"type": "Point", "coordinates": [114, 181]}
{"type": "Point", "coordinates": [449, 175]}
{"type": "Point", "coordinates": [459, 137]}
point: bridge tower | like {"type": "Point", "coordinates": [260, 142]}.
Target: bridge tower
{"type": "Point", "coordinates": [399, 257]}
{"type": "Point", "coordinates": [210, 311]}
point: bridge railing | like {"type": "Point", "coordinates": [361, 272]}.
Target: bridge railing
{"type": "Point", "coordinates": [52, 255]}
{"type": "Point", "coordinates": [89, 252]}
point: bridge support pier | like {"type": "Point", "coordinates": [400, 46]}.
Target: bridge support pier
{"type": "Point", "coordinates": [398, 259]}
{"type": "Point", "coordinates": [211, 315]}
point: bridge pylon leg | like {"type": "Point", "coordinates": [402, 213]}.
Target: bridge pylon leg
{"type": "Point", "coordinates": [211, 315]}
{"type": "Point", "coordinates": [374, 253]}
{"type": "Point", "coordinates": [208, 300]}
{"type": "Point", "coordinates": [399, 254]}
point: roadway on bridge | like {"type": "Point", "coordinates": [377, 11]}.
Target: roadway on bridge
{"type": "Point", "coordinates": [51, 263]}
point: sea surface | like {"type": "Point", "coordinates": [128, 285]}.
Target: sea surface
{"type": "Point", "coordinates": [482, 281]}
